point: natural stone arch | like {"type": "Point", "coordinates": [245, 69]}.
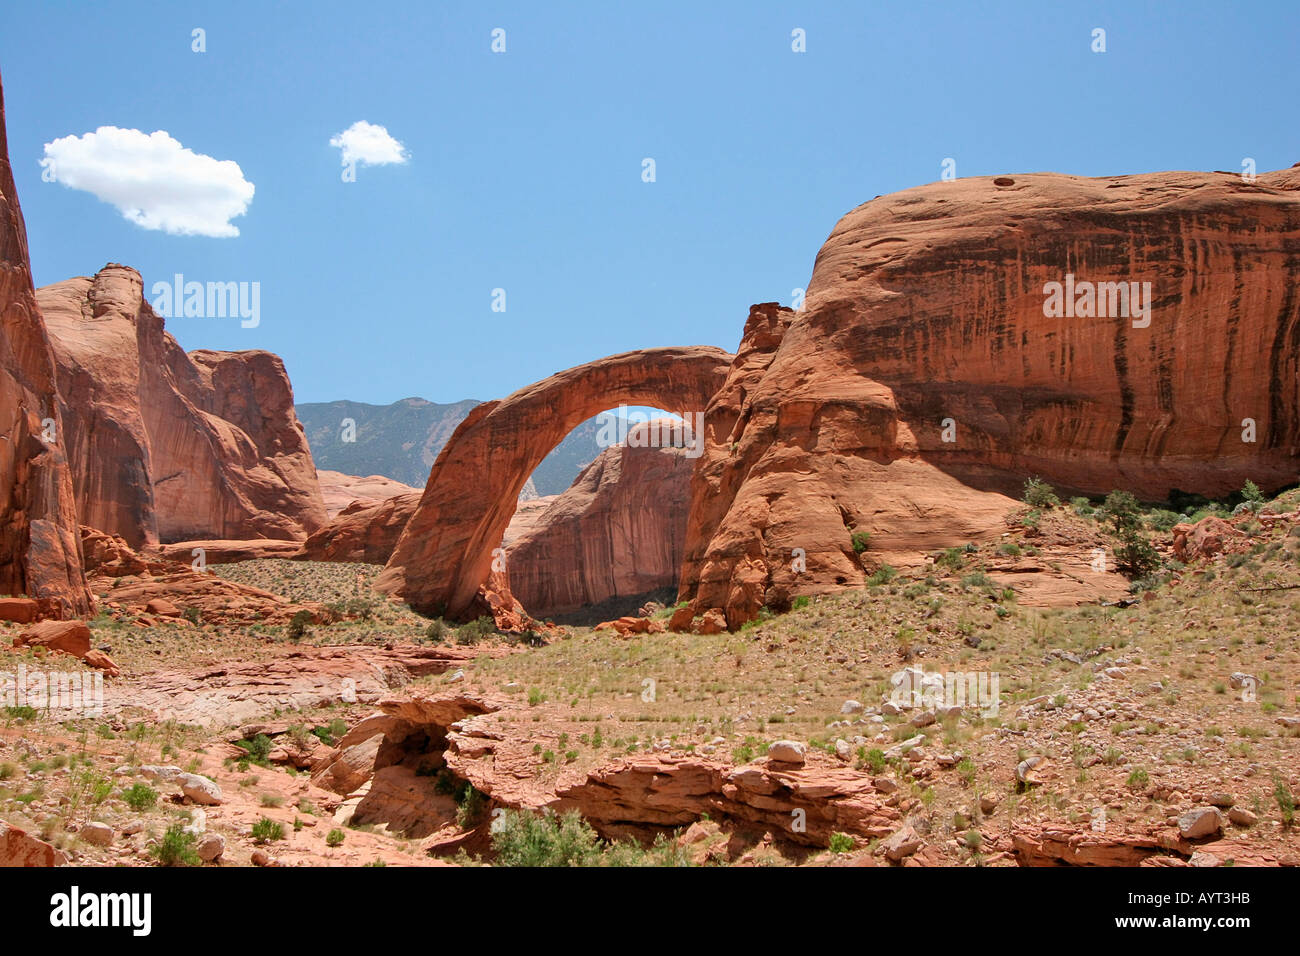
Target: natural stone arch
{"type": "Point", "coordinates": [445, 553]}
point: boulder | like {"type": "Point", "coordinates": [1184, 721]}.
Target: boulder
{"type": "Point", "coordinates": [19, 848]}
{"type": "Point", "coordinates": [787, 751]}
{"type": "Point", "coordinates": [211, 847]}
{"type": "Point", "coordinates": [19, 610]}
{"type": "Point", "coordinates": [200, 789]}
{"type": "Point", "coordinates": [70, 637]}
{"type": "Point", "coordinates": [97, 834]}
{"type": "Point", "coordinates": [1200, 823]}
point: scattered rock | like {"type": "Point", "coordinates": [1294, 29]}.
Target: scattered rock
{"type": "Point", "coordinates": [787, 751]}
{"type": "Point", "coordinates": [211, 847]}
{"type": "Point", "coordinates": [200, 789]}
{"type": "Point", "coordinates": [97, 834]}
{"type": "Point", "coordinates": [1199, 823]}
{"type": "Point", "coordinates": [1242, 817]}
{"type": "Point", "coordinates": [1029, 772]}
{"type": "Point", "coordinates": [901, 844]}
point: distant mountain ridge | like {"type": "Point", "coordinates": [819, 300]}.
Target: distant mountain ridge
{"type": "Point", "coordinates": [402, 440]}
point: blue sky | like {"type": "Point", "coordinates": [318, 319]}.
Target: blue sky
{"type": "Point", "coordinates": [524, 169]}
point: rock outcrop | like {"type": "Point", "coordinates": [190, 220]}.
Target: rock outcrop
{"type": "Point", "coordinates": [930, 372]}
{"type": "Point", "coordinates": [40, 551]}
{"type": "Point", "coordinates": [364, 531]}
{"type": "Point", "coordinates": [166, 446]}
{"type": "Point", "coordinates": [20, 848]}
{"type": "Point", "coordinates": [339, 490]}
{"type": "Point", "coordinates": [367, 530]}
{"type": "Point", "coordinates": [618, 532]}
{"type": "Point", "coordinates": [445, 553]}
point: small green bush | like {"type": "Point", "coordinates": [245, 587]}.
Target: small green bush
{"type": "Point", "coordinates": [267, 830]}
{"type": "Point", "coordinates": [841, 843]}
{"type": "Point", "coordinates": [176, 847]}
{"type": "Point", "coordinates": [521, 838]}
{"type": "Point", "coordinates": [1039, 494]}
{"type": "Point", "coordinates": [334, 838]}
{"type": "Point", "coordinates": [140, 797]}
{"type": "Point", "coordinates": [298, 625]}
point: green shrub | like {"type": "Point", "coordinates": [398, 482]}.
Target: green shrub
{"type": "Point", "coordinates": [521, 838]}
{"type": "Point", "coordinates": [861, 540]}
{"type": "Point", "coordinates": [883, 575]}
{"type": "Point", "coordinates": [258, 749]}
{"type": "Point", "coordinates": [140, 797]}
{"type": "Point", "coordinates": [1251, 494]}
{"type": "Point", "coordinates": [266, 830]}
{"type": "Point", "coordinates": [799, 603]}
{"type": "Point", "coordinates": [298, 625]}
{"type": "Point", "coordinates": [1285, 801]}
{"type": "Point", "coordinates": [841, 843]}
{"type": "Point", "coordinates": [334, 838]}
{"type": "Point", "coordinates": [1039, 494]}
{"type": "Point", "coordinates": [437, 631]}
{"type": "Point", "coordinates": [176, 847]}
{"type": "Point", "coordinates": [475, 631]}
{"type": "Point", "coordinates": [470, 805]}
{"type": "Point", "coordinates": [952, 558]}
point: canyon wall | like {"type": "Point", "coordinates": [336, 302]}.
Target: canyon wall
{"type": "Point", "coordinates": [166, 446]}
{"type": "Point", "coordinates": [40, 546]}
{"type": "Point", "coordinates": [924, 379]}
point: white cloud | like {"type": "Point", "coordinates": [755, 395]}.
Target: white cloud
{"type": "Point", "coordinates": [153, 180]}
{"type": "Point", "coordinates": [369, 145]}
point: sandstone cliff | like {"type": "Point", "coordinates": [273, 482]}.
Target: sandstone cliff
{"type": "Point", "coordinates": [40, 547]}
{"type": "Point", "coordinates": [619, 531]}
{"type": "Point", "coordinates": [927, 320]}
{"type": "Point", "coordinates": [166, 446]}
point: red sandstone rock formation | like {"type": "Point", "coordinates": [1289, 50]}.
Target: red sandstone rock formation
{"type": "Point", "coordinates": [229, 552]}
{"type": "Point", "coordinates": [364, 531]}
{"type": "Point", "coordinates": [925, 319]}
{"type": "Point", "coordinates": [19, 848]}
{"type": "Point", "coordinates": [168, 446]}
{"type": "Point", "coordinates": [67, 637]}
{"type": "Point", "coordinates": [339, 490]}
{"type": "Point", "coordinates": [367, 530]}
{"type": "Point", "coordinates": [40, 550]}
{"type": "Point", "coordinates": [445, 553]}
{"type": "Point", "coordinates": [618, 531]}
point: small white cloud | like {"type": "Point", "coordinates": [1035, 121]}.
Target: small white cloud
{"type": "Point", "coordinates": [153, 180]}
{"type": "Point", "coordinates": [369, 145]}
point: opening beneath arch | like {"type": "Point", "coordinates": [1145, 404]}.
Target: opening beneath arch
{"type": "Point", "coordinates": [609, 540]}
